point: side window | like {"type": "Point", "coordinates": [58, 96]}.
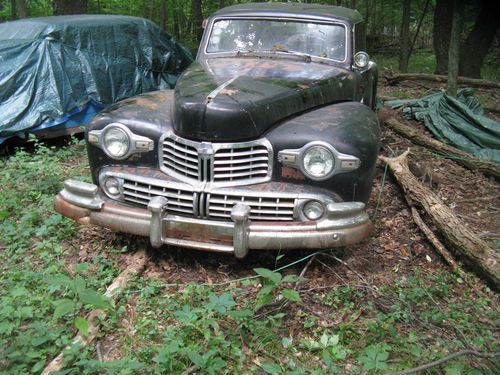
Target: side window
{"type": "Point", "coordinates": [359, 37]}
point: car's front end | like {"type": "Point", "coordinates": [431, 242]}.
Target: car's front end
{"type": "Point", "coordinates": [252, 151]}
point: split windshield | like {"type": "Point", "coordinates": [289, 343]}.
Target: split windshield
{"type": "Point", "coordinates": [324, 40]}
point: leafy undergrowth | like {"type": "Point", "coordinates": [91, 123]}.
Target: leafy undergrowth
{"type": "Point", "coordinates": [212, 314]}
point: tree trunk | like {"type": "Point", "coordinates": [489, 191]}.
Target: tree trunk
{"type": "Point", "coordinates": [151, 9]}
{"type": "Point", "coordinates": [221, 4]}
{"type": "Point", "coordinates": [488, 168]}
{"type": "Point", "coordinates": [479, 40]}
{"type": "Point", "coordinates": [454, 51]}
{"type": "Point", "coordinates": [61, 7]}
{"type": "Point", "coordinates": [443, 17]}
{"type": "Point", "coordinates": [404, 45]}
{"type": "Point", "coordinates": [13, 10]}
{"type": "Point", "coordinates": [163, 14]}
{"type": "Point", "coordinates": [463, 242]}
{"type": "Point", "coordinates": [23, 9]}
{"type": "Point", "coordinates": [175, 13]}
{"type": "Point", "coordinates": [197, 19]}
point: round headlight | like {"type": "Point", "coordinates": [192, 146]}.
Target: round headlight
{"type": "Point", "coordinates": [112, 186]}
{"type": "Point", "coordinates": [361, 59]}
{"type": "Point", "coordinates": [318, 161]}
{"type": "Point", "coordinates": [313, 210]}
{"type": "Point", "coordinates": [116, 142]}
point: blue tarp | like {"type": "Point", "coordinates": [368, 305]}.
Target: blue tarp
{"type": "Point", "coordinates": [54, 69]}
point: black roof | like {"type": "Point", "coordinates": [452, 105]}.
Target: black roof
{"type": "Point", "coordinates": [293, 10]}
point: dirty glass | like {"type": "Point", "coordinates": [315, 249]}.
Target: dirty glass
{"type": "Point", "coordinates": [316, 39]}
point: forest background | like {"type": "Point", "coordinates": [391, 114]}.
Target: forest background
{"type": "Point", "coordinates": [395, 28]}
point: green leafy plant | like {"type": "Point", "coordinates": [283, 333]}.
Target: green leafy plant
{"type": "Point", "coordinates": [273, 287]}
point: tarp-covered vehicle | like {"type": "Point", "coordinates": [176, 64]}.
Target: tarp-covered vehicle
{"type": "Point", "coordinates": [57, 72]}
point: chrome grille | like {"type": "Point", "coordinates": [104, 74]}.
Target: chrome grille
{"type": "Point", "coordinates": [181, 158]}
{"type": "Point", "coordinates": [261, 208]}
{"type": "Point", "coordinates": [179, 201]}
{"type": "Point", "coordinates": [222, 164]}
{"type": "Point", "coordinates": [241, 163]}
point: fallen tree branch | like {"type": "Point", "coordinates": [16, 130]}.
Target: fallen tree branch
{"type": "Point", "coordinates": [488, 168]}
{"type": "Point", "coordinates": [138, 264]}
{"type": "Point", "coordinates": [437, 244]}
{"type": "Point", "coordinates": [448, 358]}
{"type": "Point", "coordinates": [462, 241]}
{"type": "Point", "coordinates": [483, 83]}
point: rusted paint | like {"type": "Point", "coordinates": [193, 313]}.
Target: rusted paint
{"type": "Point", "coordinates": [292, 173]}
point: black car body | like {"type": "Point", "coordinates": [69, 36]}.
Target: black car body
{"type": "Point", "coordinates": [269, 140]}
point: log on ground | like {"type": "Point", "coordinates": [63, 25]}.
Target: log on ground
{"type": "Point", "coordinates": [461, 240]}
{"type": "Point", "coordinates": [488, 168]}
{"type": "Point", "coordinates": [473, 82]}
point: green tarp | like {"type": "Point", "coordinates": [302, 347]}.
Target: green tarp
{"type": "Point", "coordinates": [53, 65]}
{"type": "Point", "coordinates": [457, 121]}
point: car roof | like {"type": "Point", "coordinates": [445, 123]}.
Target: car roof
{"type": "Point", "coordinates": [292, 10]}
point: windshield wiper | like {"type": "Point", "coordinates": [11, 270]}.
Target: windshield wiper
{"type": "Point", "coordinates": [302, 56]}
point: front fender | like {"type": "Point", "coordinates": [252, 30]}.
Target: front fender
{"type": "Point", "coordinates": [351, 127]}
{"type": "Point", "coordinates": [148, 115]}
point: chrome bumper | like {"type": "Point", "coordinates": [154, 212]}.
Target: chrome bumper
{"type": "Point", "coordinates": [343, 224]}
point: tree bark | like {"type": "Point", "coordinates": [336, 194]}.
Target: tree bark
{"type": "Point", "coordinates": [462, 241]}
{"type": "Point", "coordinates": [468, 161]}
{"type": "Point", "coordinates": [23, 8]}
{"type": "Point", "coordinates": [175, 13]}
{"type": "Point", "coordinates": [151, 9]}
{"type": "Point", "coordinates": [61, 7]}
{"type": "Point", "coordinates": [479, 40]}
{"type": "Point", "coordinates": [483, 83]}
{"type": "Point", "coordinates": [163, 14]}
{"type": "Point", "coordinates": [404, 45]}
{"type": "Point", "coordinates": [443, 17]}
{"type": "Point", "coordinates": [197, 18]}
{"type": "Point", "coordinates": [454, 49]}
{"type": "Point", "coordinates": [13, 10]}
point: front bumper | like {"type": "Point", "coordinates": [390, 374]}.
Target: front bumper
{"type": "Point", "coordinates": [344, 224]}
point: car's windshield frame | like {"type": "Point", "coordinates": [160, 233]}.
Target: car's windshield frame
{"type": "Point", "coordinates": [212, 22]}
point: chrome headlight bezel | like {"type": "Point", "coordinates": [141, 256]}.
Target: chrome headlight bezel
{"type": "Point", "coordinates": [323, 146]}
{"type": "Point", "coordinates": [361, 60]}
{"type": "Point", "coordinates": [136, 143]}
{"type": "Point", "coordinates": [342, 163]}
{"type": "Point", "coordinates": [124, 131]}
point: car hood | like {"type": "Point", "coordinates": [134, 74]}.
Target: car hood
{"type": "Point", "coordinates": [234, 99]}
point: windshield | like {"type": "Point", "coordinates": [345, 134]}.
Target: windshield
{"type": "Point", "coordinates": [316, 39]}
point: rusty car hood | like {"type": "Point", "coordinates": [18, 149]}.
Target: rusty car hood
{"type": "Point", "coordinates": [230, 99]}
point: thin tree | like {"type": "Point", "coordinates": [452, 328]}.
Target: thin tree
{"type": "Point", "coordinates": [13, 10]}
{"type": "Point", "coordinates": [163, 14]}
{"type": "Point", "coordinates": [197, 18]}
{"type": "Point", "coordinates": [23, 8]}
{"type": "Point", "coordinates": [441, 33]}
{"type": "Point", "coordinates": [404, 46]}
{"type": "Point", "coordinates": [454, 50]}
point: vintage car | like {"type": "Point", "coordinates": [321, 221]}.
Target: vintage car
{"type": "Point", "coordinates": [269, 140]}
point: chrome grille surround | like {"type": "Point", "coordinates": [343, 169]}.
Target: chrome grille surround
{"type": "Point", "coordinates": [209, 202]}
{"type": "Point", "coordinates": [220, 164]}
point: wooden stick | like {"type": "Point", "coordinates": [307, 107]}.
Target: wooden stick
{"type": "Point", "coordinates": [488, 168]}
{"type": "Point", "coordinates": [462, 241]}
{"type": "Point", "coordinates": [437, 244]}
{"type": "Point", "coordinates": [137, 266]}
